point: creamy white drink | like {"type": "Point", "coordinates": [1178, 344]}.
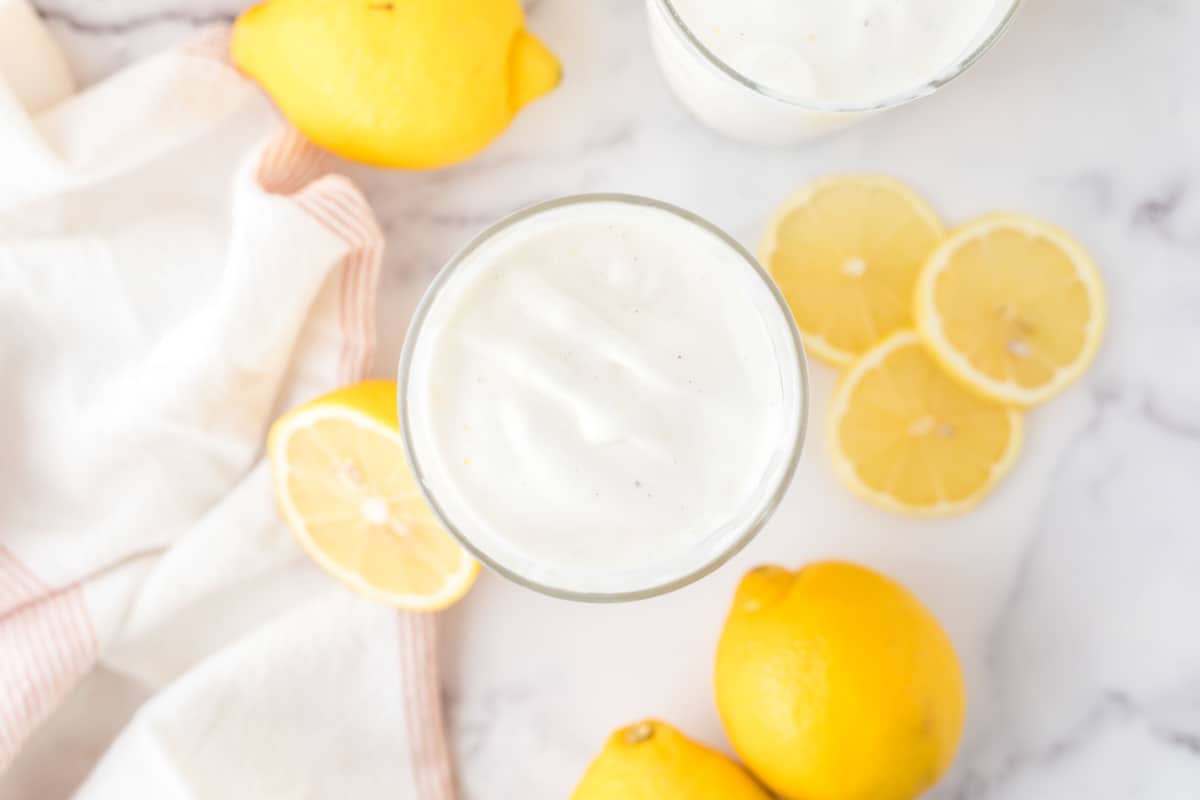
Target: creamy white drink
{"type": "Point", "coordinates": [795, 68]}
{"type": "Point", "coordinates": [603, 396]}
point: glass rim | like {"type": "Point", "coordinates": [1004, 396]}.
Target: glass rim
{"type": "Point", "coordinates": [762, 513]}
{"type": "Point", "coordinates": [956, 68]}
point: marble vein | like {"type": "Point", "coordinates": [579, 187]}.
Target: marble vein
{"type": "Point", "coordinates": [132, 24]}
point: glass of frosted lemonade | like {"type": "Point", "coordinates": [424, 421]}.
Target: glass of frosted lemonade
{"type": "Point", "coordinates": [786, 71]}
{"type": "Point", "coordinates": [603, 397]}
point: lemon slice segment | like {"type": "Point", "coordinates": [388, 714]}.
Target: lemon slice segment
{"type": "Point", "coordinates": [346, 491]}
{"type": "Point", "coordinates": [846, 252]}
{"type": "Point", "coordinates": [1011, 306]}
{"type": "Point", "coordinates": [908, 438]}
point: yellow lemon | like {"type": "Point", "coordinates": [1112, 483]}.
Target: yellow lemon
{"type": "Point", "coordinates": [845, 252]}
{"type": "Point", "coordinates": [1013, 307]}
{"type": "Point", "coordinates": [835, 683]}
{"type": "Point", "coordinates": [907, 437]}
{"type": "Point", "coordinates": [346, 491]}
{"type": "Point", "coordinates": [396, 83]}
{"type": "Point", "coordinates": [652, 761]}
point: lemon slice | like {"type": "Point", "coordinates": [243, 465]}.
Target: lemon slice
{"type": "Point", "coordinates": [346, 491]}
{"type": "Point", "coordinates": [846, 252]}
{"type": "Point", "coordinates": [1011, 306]}
{"type": "Point", "coordinates": [907, 437]}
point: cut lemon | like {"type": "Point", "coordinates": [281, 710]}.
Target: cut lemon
{"type": "Point", "coordinates": [348, 494]}
{"type": "Point", "coordinates": [1011, 306]}
{"type": "Point", "coordinates": [907, 437]}
{"type": "Point", "coordinates": [845, 252]}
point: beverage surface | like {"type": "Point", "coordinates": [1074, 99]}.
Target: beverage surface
{"type": "Point", "coordinates": [597, 389]}
{"type": "Point", "coordinates": [838, 51]}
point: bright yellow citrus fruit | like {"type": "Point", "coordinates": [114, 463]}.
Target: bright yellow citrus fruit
{"type": "Point", "coordinates": [835, 683]}
{"type": "Point", "coordinates": [652, 761]}
{"type": "Point", "coordinates": [845, 252]}
{"type": "Point", "coordinates": [346, 491]}
{"type": "Point", "coordinates": [396, 83]}
{"type": "Point", "coordinates": [909, 438]}
{"type": "Point", "coordinates": [1011, 306]}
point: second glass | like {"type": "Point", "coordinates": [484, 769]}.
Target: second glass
{"type": "Point", "coordinates": [725, 99]}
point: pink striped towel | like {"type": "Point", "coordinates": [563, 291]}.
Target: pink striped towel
{"type": "Point", "coordinates": [168, 284]}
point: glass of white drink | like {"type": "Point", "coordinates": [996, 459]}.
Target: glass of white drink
{"type": "Point", "coordinates": [786, 71]}
{"type": "Point", "coordinates": [603, 397]}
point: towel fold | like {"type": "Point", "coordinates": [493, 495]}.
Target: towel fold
{"type": "Point", "coordinates": [174, 273]}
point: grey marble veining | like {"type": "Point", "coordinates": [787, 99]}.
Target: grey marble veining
{"type": "Point", "coordinates": [1072, 595]}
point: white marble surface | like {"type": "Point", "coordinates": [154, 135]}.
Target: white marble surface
{"type": "Point", "coordinates": [1073, 595]}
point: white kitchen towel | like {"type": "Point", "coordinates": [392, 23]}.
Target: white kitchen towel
{"type": "Point", "coordinates": [174, 272]}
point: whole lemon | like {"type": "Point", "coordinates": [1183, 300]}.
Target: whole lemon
{"type": "Point", "coordinates": [396, 83]}
{"type": "Point", "coordinates": [652, 761]}
{"type": "Point", "coordinates": [835, 683]}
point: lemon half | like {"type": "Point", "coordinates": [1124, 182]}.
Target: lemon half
{"type": "Point", "coordinates": [346, 491]}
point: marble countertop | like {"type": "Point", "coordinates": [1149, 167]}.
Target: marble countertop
{"type": "Point", "coordinates": [1073, 595]}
